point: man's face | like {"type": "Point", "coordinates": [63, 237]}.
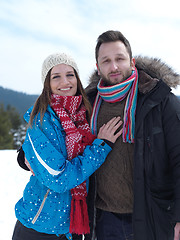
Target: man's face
{"type": "Point", "coordinates": [114, 65]}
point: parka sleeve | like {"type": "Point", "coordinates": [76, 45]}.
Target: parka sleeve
{"type": "Point", "coordinates": [171, 123]}
{"type": "Point", "coordinates": [50, 165]}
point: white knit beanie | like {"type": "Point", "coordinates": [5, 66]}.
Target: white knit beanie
{"type": "Point", "coordinates": [55, 59]}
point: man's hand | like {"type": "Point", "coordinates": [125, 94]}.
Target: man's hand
{"type": "Point", "coordinates": [28, 165]}
{"type": "Point", "coordinates": [177, 231]}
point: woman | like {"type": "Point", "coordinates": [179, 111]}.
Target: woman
{"type": "Point", "coordinates": [62, 153]}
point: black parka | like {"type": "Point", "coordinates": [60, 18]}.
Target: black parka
{"type": "Point", "coordinates": [156, 152]}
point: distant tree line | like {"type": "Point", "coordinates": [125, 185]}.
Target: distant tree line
{"type": "Point", "coordinates": [12, 128]}
{"type": "Point", "coordinates": [13, 106]}
{"type": "Point", "coordinates": [21, 101]}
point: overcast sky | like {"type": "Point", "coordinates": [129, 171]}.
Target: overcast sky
{"type": "Point", "coordinates": [32, 29]}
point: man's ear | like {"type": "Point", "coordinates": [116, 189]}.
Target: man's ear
{"type": "Point", "coordinates": [133, 63]}
{"type": "Point", "coordinates": [98, 69]}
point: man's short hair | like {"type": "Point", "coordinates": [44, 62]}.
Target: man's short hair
{"type": "Point", "coordinates": [112, 36]}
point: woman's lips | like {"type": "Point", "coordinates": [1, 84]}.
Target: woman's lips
{"type": "Point", "coordinates": [64, 89]}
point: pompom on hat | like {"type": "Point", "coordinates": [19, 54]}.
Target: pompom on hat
{"type": "Point", "coordinates": [55, 59]}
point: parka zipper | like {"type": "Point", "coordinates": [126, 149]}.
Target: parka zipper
{"type": "Point", "coordinates": [149, 143]}
{"type": "Point", "coordinates": [41, 207]}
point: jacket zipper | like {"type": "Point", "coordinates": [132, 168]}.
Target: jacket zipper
{"type": "Point", "coordinates": [41, 207]}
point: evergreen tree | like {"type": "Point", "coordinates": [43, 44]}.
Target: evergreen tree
{"type": "Point", "coordinates": [14, 117]}
{"type": "Point", "coordinates": [12, 129]}
{"type": "Point", "coordinates": [18, 128]}
{"type": "Point", "coordinates": [6, 138]}
{"type": "Point", "coordinates": [19, 136]}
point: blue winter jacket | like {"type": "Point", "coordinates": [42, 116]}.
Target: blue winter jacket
{"type": "Point", "coordinates": [46, 201]}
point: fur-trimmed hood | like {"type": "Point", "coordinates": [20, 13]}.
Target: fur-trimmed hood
{"type": "Point", "coordinates": [150, 70]}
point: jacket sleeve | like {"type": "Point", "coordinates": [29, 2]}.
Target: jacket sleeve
{"type": "Point", "coordinates": [171, 123]}
{"type": "Point", "coordinates": [51, 166]}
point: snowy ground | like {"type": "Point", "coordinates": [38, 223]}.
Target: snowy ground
{"type": "Point", "coordinates": [12, 182]}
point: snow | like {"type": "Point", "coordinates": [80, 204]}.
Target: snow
{"type": "Point", "coordinates": [13, 180]}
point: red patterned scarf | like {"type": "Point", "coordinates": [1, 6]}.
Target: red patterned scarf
{"type": "Point", "coordinates": [72, 114]}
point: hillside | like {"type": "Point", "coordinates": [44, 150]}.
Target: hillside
{"type": "Point", "coordinates": [19, 100]}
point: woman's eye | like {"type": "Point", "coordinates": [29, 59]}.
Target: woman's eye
{"type": "Point", "coordinates": [70, 75]}
{"type": "Point", "coordinates": [54, 77]}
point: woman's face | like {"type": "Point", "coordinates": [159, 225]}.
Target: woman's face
{"type": "Point", "coordinates": [63, 81]}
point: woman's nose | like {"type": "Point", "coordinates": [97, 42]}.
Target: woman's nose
{"type": "Point", "coordinates": [65, 80]}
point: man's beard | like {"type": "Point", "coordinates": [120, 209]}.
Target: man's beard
{"type": "Point", "coordinates": [107, 82]}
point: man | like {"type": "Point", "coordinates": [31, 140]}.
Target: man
{"type": "Point", "coordinates": [138, 187]}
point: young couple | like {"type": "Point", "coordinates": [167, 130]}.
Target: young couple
{"type": "Point", "coordinates": [133, 146]}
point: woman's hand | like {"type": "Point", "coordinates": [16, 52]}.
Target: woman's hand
{"type": "Point", "coordinates": [177, 231]}
{"type": "Point", "coordinates": [107, 131]}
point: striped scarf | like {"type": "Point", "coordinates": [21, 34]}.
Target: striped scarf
{"type": "Point", "coordinates": [115, 93]}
